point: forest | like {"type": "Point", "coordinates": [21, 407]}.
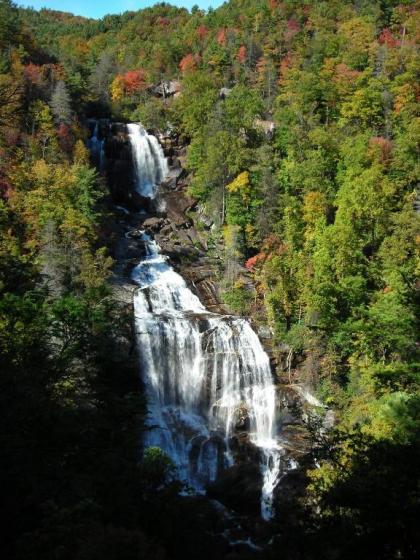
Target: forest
{"type": "Point", "coordinates": [301, 124]}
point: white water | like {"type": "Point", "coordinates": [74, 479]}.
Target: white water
{"type": "Point", "coordinates": [149, 161]}
{"type": "Point", "coordinates": [202, 371]}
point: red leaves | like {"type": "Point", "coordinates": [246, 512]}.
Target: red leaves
{"type": "Point", "coordinates": [163, 21]}
{"type": "Point", "coordinates": [241, 55]}
{"type": "Point", "coordinates": [292, 28]}
{"type": "Point", "coordinates": [33, 74]}
{"type": "Point", "coordinates": [388, 39]}
{"type": "Point", "coordinates": [134, 81]}
{"type": "Point", "coordinates": [65, 137]}
{"type": "Point", "coordinates": [250, 263]}
{"type": "Point", "coordinates": [11, 136]}
{"type": "Point", "coordinates": [272, 246]}
{"type": "Point", "coordinates": [202, 32]}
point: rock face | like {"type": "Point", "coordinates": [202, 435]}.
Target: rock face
{"type": "Point", "coordinates": [174, 226]}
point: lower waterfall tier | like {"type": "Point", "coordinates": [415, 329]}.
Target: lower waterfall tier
{"type": "Point", "coordinates": [207, 377]}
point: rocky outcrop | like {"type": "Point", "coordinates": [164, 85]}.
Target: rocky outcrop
{"type": "Point", "coordinates": [182, 231]}
{"type": "Point", "coordinates": [170, 88]}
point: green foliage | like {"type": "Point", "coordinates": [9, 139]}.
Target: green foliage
{"type": "Point", "coordinates": [307, 160]}
{"type": "Point", "coordinates": [156, 468]}
{"type": "Point", "coordinates": [239, 298]}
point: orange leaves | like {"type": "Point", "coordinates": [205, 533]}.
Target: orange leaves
{"type": "Point", "coordinates": [242, 54]}
{"type": "Point", "coordinates": [253, 261]}
{"type": "Point", "coordinates": [344, 78]}
{"type": "Point", "coordinates": [272, 246]}
{"type": "Point", "coordinates": [382, 146]}
{"type": "Point", "coordinates": [189, 63]}
{"type": "Point", "coordinates": [345, 74]}
{"type": "Point", "coordinates": [221, 37]}
{"type": "Point", "coordinates": [130, 83]}
{"type": "Point", "coordinates": [202, 32]}
{"type": "Point", "coordinates": [406, 95]}
{"type": "Point", "coordinates": [314, 206]}
{"type": "Point", "coordinates": [285, 65]}
{"type": "Point", "coordinates": [65, 137]}
{"type": "Point", "coordinates": [33, 74]}
{"type": "Point", "coordinates": [134, 81]}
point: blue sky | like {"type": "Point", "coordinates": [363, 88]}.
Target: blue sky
{"type": "Point", "coordinates": [97, 9]}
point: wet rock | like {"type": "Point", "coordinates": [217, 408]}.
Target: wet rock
{"type": "Point", "coordinates": [239, 487]}
{"type": "Point", "coordinates": [153, 224]}
{"type": "Point", "coordinates": [140, 202]}
{"type": "Point", "coordinates": [288, 492]}
{"type": "Point", "coordinates": [175, 174]}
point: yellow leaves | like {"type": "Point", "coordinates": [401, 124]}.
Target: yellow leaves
{"type": "Point", "coordinates": [75, 225]}
{"type": "Point", "coordinates": [81, 153]}
{"type": "Point", "coordinates": [404, 98]}
{"type": "Point", "coordinates": [95, 268]}
{"type": "Point", "coordinates": [230, 236]}
{"type": "Point", "coordinates": [252, 236]}
{"type": "Point", "coordinates": [117, 88]}
{"type": "Point", "coordinates": [314, 210]}
{"type": "Point", "coordinates": [41, 170]}
{"type": "Point", "coordinates": [358, 34]}
{"type": "Point", "coordinates": [241, 186]}
{"type": "Point", "coordinates": [314, 206]}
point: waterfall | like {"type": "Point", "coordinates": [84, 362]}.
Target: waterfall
{"type": "Point", "coordinates": [203, 372]}
{"type": "Point", "coordinates": [149, 161]}
{"type": "Point", "coordinates": [96, 147]}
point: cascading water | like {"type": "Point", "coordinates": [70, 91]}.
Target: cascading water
{"type": "Point", "coordinates": [201, 370]}
{"type": "Point", "coordinates": [149, 161]}
{"type": "Point", "coordinates": [96, 147]}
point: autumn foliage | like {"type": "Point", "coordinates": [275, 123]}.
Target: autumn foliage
{"type": "Point", "coordinates": [383, 146]}
{"type": "Point", "coordinates": [189, 63]}
{"type": "Point", "coordinates": [130, 83]}
{"type": "Point", "coordinates": [241, 55]}
{"type": "Point", "coordinates": [388, 39]}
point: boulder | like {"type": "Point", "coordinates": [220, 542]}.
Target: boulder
{"type": "Point", "coordinates": [224, 92]}
{"type": "Point", "coordinates": [167, 88]}
{"type": "Point", "coordinates": [239, 487]}
{"type": "Point", "coordinates": [268, 127]}
{"type": "Point", "coordinates": [153, 224]}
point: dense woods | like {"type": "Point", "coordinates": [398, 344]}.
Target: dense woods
{"type": "Point", "coordinates": [301, 121]}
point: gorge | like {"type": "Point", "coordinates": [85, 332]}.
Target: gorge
{"type": "Point", "coordinates": [209, 322]}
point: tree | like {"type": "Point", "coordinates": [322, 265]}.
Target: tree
{"type": "Point", "coordinates": [61, 104]}
{"type": "Point", "coordinates": [9, 28]}
{"type": "Point", "coordinates": [101, 77]}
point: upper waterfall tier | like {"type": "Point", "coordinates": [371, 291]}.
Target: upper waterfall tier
{"type": "Point", "coordinates": [149, 160]}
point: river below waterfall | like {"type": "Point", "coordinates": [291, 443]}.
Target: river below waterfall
{"type": "Point", "coordinates": [204, 373]}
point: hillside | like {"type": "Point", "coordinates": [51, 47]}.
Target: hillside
{"type": "Point", "coordinates": [296, 125]}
